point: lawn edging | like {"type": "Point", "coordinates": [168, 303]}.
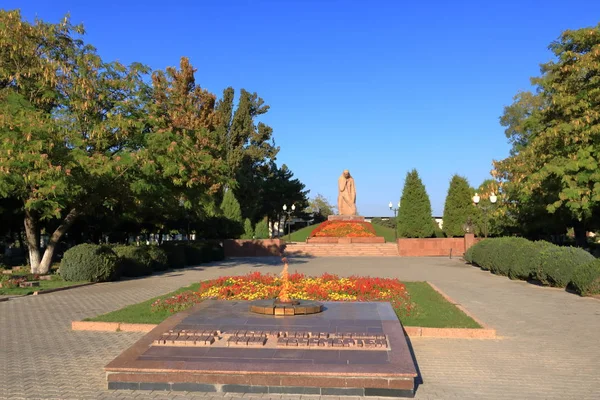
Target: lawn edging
{"type": "Point", "coordinates": [485, 332]}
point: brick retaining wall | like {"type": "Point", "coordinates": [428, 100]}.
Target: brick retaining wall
{"type": "Point", "coordinates": [432, 247]}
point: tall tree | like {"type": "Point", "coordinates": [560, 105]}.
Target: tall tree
{"type": "Point", "coordinates": [556, 151]}
{"type": "Point", "coordinates": [458, 208]}
{"type": "Point", "coordinates": [66, 115]}
{"type": "Point", "coordinates": [247, 146]}
{"type": "Point", "coordinates": [320, 207]}
{"type": "Point", "coordinates": [414, 215]}
{"type": "Point", "coordinates": [231, 207]}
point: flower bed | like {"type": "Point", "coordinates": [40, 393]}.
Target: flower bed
{"type": "Point", "coordinates": [327, 287]}
{"type": "Point", "coordinates": [344, 229]}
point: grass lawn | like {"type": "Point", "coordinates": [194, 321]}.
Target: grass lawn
{"type": "Point", "coordinates": [432, 310]}
{"type": "Point", "coordinates": [387, 233]}
{"type": "Point", "coordinates": [44, 285]}
{"type": "Point", "coordinates": [301, 234]}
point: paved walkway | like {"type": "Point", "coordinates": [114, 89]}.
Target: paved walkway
{"type": "Point", "coordinates": [550, 345]}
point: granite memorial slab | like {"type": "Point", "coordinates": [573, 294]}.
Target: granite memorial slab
{"type": "Point", "coordinates": [350, 348]}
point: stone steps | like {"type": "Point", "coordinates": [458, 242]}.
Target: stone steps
{"type": "Point", "coordinates": [342, 250]}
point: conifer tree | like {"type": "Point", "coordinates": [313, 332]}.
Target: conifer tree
{"type": "Point", "coordinates": [458, 207]}
{"type": "Point", "coordinates": [231, 208]}
{"type": "Point", "coordinates": [414, 214]}
{"type": "Point", "coordinates": [248, 230]}
{"type": "Point", "coordinates": [262, 230]}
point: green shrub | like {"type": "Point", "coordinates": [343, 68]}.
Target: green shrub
{"type": "Point", "coordinates": [414, 213]}
{"type": "Point", "coordinates": [134, 261]}
{"type": "Point", "coordinates": [175, 252]}
{"type": "Point", "coordinates": [248, 229]}
{"type": "Point", "coordinates": [90, 262]}
{"type": "Point", "coordinates": [557, 264]}
{"type": "Point", "coordinates": [262, 230]}
{"type": "Point", "coordinates": [203, 252]}
{"type": "Point", "coordinates": [468, 256]}
{"type": "Point", "coordinates": [160, 261]}
{"type": "Point", "coordinates": [480, 254]}
{"type": "Point", "coordinates": [586, 278]}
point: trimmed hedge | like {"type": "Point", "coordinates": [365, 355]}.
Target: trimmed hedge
{"type": "Point", "coordinates": [90, 262]}
{"type": "Point", "coordinates": [520, 258]}
{"type": "Point", "coordinates": [160, 261]}
{"type": "Point", "coordinates": [586, 278]}
{"type": "Point", "coordinates": [558, 264]}
{"type": "Point", "coordinates": [180, 254]}
{"type": "Point", "coordinates": [134, 261]}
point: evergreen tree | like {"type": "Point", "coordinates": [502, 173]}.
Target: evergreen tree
{"type": "Point", "coordinates": [414, 215]}
{"type": "Point", "coordinates": [231, 208]}
{"type": "Point", "coordinates": [458, 207]}
{"type": "Point", "coordinates": [248, 230]}
{"type": "Point", "coordinates": [262, 230]}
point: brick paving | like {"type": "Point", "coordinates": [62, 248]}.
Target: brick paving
{"type": "Point", "coordinates": [549, 346]}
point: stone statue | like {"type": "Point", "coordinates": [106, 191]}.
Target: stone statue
{"type": "Point", "coordinates": [346, 194]}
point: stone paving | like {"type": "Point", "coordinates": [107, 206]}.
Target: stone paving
{"type": "Point", "coordinates": [549, 345]}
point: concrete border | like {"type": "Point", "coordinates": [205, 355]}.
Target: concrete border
{"type": "Point", "coordinates": [485, 332]}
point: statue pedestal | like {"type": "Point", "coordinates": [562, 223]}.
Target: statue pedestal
{"type": "Point", "coordinates": [346, 218]}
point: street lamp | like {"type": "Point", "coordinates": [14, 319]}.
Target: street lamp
{"type": "Point", "coordinates": [395, 211]}
{"type": "Point", "coordinates": [476, 200]}
{"type": "Point", "coordinates": [289, 214]}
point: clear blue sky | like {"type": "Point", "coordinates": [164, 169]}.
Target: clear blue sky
{"type": "Point", "coordinates": [376, 87]}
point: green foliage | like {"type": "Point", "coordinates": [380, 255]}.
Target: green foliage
{"type": "Point", "coordinates": [90, 262]}
{"type": "Point", "coordinates": [520, 258]}
{"type": "Point", "coordinates": [262, 230]}
{"type": "Point", "coordinates": [219, 227]}
{"type": "Point", "coordinates": [387, 222]}
{"type": "Point", "coordinates": [134, 261]}
{"type": "Point", "coordinates": [558, 264]}
{"type": "Point", "coordinates": [553, 166]}
{"type": "Point", "coordinates": [160, 261]}
{"type": "Point", "coordinates": [175, 252]}
{"type": "Point", "coordinates": [320, 208]}
{"type": "Point", "coordinates": [458, 207]}
{"type": "Point", "coordinates": [586, 278]}
{"type": "Point", "coordinates": [248, 229]}
{"type": "Point", "coordinates": [230, 207]}
{"type": "Point", "coordinates": [414, 214]}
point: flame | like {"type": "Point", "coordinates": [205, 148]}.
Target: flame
{"type": "Point", "coordinates": [283, 295]}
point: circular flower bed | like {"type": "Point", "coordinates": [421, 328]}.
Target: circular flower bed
{"type": "Point", "coordinates": [257, 286]}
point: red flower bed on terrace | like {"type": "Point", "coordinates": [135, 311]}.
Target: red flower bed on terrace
{"type": "Point", "coordinates": [344, 229]}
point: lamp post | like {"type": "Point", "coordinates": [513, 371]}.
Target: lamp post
{"type": "Point", "coordinates": [476, 200]}
{"type": "Point", "coordinates": [395, 210]}
{"type": "Point", "coordinates": [289, 214]}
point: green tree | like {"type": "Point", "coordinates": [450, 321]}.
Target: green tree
{"type": "Point", "coordinates": [320, 208]}
{"type": "Point", "coordinates": [262, 230]}
{"type": "Point", "coordinates": [248, 230]}
{"type": "Point", "coordinates": [231, 207]}
{"type": "Point", "coordinates": [553, 166]}
{"type": "Point", "coordinates": [66, 116]}
{"type": "Point", "coordinates": [458, 207]}
{"type": "Point", "coordinates": [414, 215]}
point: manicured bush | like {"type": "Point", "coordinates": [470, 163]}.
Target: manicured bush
{"type": "Point", "coordinates": [480, 254]}
{"type": "Point", "coordinates": [586, 278]}
{"type": "Point", "coordinates": [175, 252]}
{"type": "Point", "coordinates": [160, 261]}
{"type": "Point", "coordinates": [527, 259]}
{"type": "Point", "coordinates": [558, 264]}
{"type": "Point", "coordinates": [134, 261]}
{"type": "Point", "coordinates": [90, 262]}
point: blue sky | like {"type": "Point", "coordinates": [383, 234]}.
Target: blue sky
{"type": "Point", "coordinates": [376, 87]}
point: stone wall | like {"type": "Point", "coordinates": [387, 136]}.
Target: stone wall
{"type": "Point", "coordinates": [432, 247]}
{"type": "Point", "coordinates": [253, 248]}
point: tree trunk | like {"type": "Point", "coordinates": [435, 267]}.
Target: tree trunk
{"type": "Point", "coordinates": [44, 265]}
{"type": "Point", "coordinates": [580, 234]}
{"type": "Point", "coordinates": [32, 236]}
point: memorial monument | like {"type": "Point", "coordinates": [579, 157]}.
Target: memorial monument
{"type": "Point", "coordinates": [346, 194]}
